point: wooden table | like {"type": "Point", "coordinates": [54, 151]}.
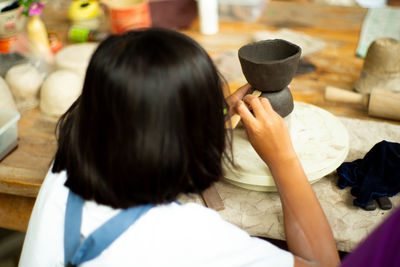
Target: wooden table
{"type": "Point", "coordinates": [22, 172]}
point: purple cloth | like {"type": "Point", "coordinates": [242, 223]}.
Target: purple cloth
{"type": "Point", "coordinates": [381, 248]}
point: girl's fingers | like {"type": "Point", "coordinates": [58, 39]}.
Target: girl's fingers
{"type": "Point", "coordinates": [241, 91]}
{"type": "Point", "coordinates": [254, 103]}
{"type": "Point", "coordinates": [244, 113]}
{"type": "Point", "coordinates": [236, 96]}
{"type": "Point", "coordinates": [266, 104]}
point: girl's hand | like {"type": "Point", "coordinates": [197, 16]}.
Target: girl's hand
{"type": "Point", "coordinates": [237, 96]}
{"type": "Point", "coordinates": [307, 230]}
{"type": "Point", "coordinates": [266, 130]}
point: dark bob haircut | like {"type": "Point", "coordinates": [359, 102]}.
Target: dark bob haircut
{"type": "Point", "coordinates": [149, 124]}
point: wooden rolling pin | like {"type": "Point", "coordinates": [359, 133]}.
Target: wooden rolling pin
{"type": "Point", "coordinates": [381, 103]}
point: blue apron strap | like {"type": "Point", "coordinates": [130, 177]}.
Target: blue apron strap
{"type": "Point", "coordinates": [102, 237]}
{"type": "Point", "coordinates": [72, 227]}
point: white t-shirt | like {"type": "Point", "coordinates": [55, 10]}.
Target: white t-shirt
{"type": "Point", "coordinates": [167, 235]}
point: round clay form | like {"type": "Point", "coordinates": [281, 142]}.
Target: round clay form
{"type": "Point", "coordinates": [75, 58]}
{"type": "Point", "coordinates": [59, 91]}
{"type": "Point", "coordinates": [281, 101]}
{"type": "Point", "coordinates": [269, 65]}
{"type": "Point", "coordinates": [24, 81]}
{"type": "Point", "coordinates": [381, 67]}
{"type": "Point", "coordinates": [6, 99]}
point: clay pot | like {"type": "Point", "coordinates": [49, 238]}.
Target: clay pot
{"type": "Point", "coordinates": [281, 101]}
{"type": "Point", "coordinates": [269, 65]}
{"type": "Point", "coordinates": [381, 67]}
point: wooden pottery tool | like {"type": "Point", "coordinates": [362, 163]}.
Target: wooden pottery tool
{"type": "Point", "coordinates": [212, 198]}
{"type": "Point", "coordinates": [381, 103]}
{"type": "Point", "coordinates": [234, 119]}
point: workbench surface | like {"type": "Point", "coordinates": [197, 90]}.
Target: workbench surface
{"type": "Point", "coordinates": [22, 172]}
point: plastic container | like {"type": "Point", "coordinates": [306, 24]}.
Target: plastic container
{"type": "Point", "coordinates": [241, 10]}
{"type": "Point", "coordinates": [8, 131]}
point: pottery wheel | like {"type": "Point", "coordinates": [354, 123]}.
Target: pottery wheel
{"type": "Point", "coordinates": [319, 139]}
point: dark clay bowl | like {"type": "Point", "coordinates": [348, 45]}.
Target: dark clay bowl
{"type": "Point", "coordinates": [269, 65]}
{"type": "Point", "coordinates": [281, 101]}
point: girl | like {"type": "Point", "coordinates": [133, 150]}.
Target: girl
{"type": "Point", "coordinates": [149, 126]}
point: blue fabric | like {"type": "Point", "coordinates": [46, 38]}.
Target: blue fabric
{"type": "Point", "coordinates": [377, 174]}
{"type": "Point", "coordinates": [72, 225]}
{"type": "Point", "coordinates": [77, 252]}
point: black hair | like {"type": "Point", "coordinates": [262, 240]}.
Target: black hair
{"type": "Point", "coordinates": [149, 123]}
